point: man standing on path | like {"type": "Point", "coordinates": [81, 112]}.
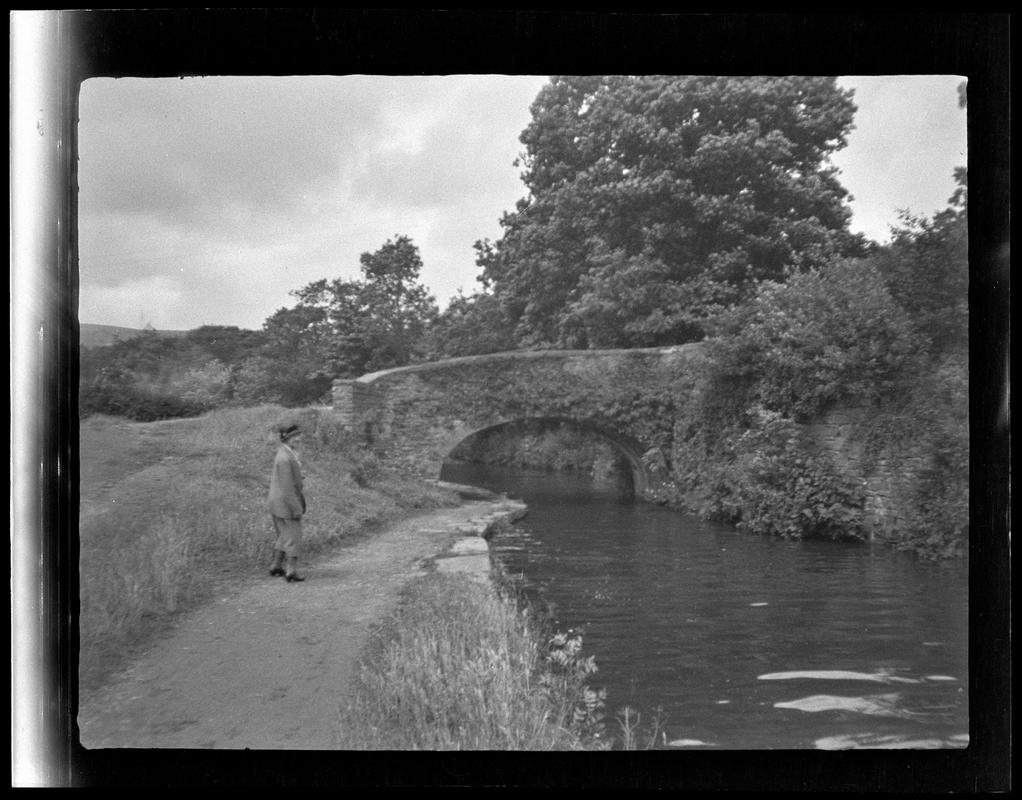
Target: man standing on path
{"type": "Point", "coordinates": [287, 504]}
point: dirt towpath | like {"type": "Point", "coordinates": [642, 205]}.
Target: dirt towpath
{"type": "Point", "coordinates": [267, 666]}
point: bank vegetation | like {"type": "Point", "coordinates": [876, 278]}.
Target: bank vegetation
{"type": "Point", "coordinates": [464, 665]}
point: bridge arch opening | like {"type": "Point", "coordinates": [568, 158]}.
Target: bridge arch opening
{"type": "Point", "coordinates": [556, 443]}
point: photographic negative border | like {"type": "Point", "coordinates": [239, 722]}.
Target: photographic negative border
{"type": "Point", "coordinates": [54, 51]}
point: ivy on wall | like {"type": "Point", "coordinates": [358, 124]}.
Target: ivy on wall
{"type": "Point", "coordinates": [741, 451]}
{"type": "Point", "coordinates": [930, 420]}
{"type": "Point", "coordinates": [764, 477]}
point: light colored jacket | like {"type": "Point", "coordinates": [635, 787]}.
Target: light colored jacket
{"type": "Point", "coordinates": [286, 499]}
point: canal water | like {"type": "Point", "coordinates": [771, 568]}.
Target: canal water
{"type": "Point", "coordinates": [737, 641]}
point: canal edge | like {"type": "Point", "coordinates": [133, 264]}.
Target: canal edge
{"type": "Point", "coordinates": [469, 555]}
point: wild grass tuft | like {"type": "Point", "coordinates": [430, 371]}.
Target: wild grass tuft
{"type": "Point", "coordinates": [634, 735]}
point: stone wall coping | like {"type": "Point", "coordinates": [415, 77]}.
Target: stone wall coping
{"type": "Point", "coordinates": [524, 355]}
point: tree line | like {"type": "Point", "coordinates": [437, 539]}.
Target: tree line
{"type": "Point", "coordinates": [336, 328]}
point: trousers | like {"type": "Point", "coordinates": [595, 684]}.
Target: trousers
{"type": "Point", "coordinates": [289, 536]}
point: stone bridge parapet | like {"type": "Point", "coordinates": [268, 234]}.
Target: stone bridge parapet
{"type": "Point", "coordinates": [418, 414]}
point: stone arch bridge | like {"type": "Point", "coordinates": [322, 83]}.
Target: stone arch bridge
{"type": "Point", "coordinates": [419, 414]}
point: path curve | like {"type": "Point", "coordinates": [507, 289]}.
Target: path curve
{"type": "Point", "coordinates": [268, 666]}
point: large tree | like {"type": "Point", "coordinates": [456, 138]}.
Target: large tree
{"type": "Point", "coordinates": [656, 201]}
{"type": "Point", "coordinates": [294, 367]}
{"type": "Point", "coordinates": [342, 328]}
{"type": "Point", "coordinates": [397, 310]}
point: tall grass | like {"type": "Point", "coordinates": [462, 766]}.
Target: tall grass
{"type": "Point", "coordinates": [194, 512]}
{"type": "Point", "coordinates": [458, 667]}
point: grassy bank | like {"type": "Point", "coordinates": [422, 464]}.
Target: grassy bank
{"type": "Point", "coordinates": [458, 668]}
{"type": "Point", "coordinates": [172, 509]}
{"type": "Point", "coordinates": [462, 666]}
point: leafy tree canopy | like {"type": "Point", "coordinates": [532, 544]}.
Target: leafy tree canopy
{"type": "Point", "coordinates": [926, 268]}
{"type": "Point", "coordinates": [470, 325]}
{"type": "Point", "coordinates": [828, 334]}
{"type": "Point", "coordinates": [656, 201]}
{"type": "Point", "coordinates": [226, 343]}
{"type": "Point", "coordinates": [349, 327]}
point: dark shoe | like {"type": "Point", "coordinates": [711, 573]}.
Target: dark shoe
{"type": "Point", "coordinates": [276, 571]}
{"type": "Point", "coordinates": [292, 575]}
{"type": "Point", "coordinates": [277, 567]}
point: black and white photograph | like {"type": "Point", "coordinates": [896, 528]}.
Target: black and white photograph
{"type": "Point", "coordinates": [651, 412]}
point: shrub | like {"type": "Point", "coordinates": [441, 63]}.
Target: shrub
{"type": "Point", "coordinates": [207, 386]}
{"type": "Point", "coordinates": [823, 336]}
{"type": "Point", "coordinates": [566, 677]}
{"type": "Point", "coordinates": [134, 403]}
{"type": "Point", "coordinates": [773, 483]}
{"type": "Point", "coordinates": [827, 335]}
{"type": "Point", "coordinates": [251, 382]}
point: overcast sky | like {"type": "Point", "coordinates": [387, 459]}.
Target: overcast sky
{"type": "Point", "coordinates": [207, 200]}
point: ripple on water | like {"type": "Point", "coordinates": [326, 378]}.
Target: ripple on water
{"type": "Point", "coordinates": [873, 741]}
{"type": "Point", "coordinates": [836, 675]}
{"type": "Point", "coordinates": [689, 743]}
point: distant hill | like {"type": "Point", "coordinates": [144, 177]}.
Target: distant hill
{"type": "Point", "coordinates": [99, 335]}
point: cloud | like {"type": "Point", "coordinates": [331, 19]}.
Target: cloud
{"type": "Point", "coordinates": [189, 149]}
{"type": "Point", "coordinates": [446, 151]}
{"type": "Point", "coordinates": [269, 180]}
